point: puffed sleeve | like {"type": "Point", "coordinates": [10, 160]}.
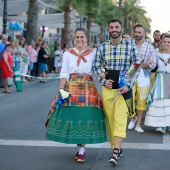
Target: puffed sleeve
{"type": "Point", "coordinates": [65, 67]}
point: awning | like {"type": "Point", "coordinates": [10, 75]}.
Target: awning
{"type": "Point", "coordinates": [50, 20]}
{"type": "Point", "coordinates": [20, 6]}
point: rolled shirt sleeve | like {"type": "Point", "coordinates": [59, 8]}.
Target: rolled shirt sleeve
{"type": "Point", "coordinates": [152, 57]}
{"type": "Point", "coordinates": [99, 63]}
{"type": "Point", "coordinates": [134, 59]}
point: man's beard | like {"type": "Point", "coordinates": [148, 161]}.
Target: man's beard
{"type": "Point", "coordinates": [156, 40]}
{"type": "Point", "coordinates": [115, 36]}
{"type": "Point", "coordinates": [137, 38]}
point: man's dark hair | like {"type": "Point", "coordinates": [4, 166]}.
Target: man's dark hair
{"type": "Point", "coordinates": [126, 34]}
{"type": "Point", "coordinates": [138, 26]}
{"type": "Point", "coordinates": [156, 31]}
{"type": "Point", "coordinates": [115, 20]}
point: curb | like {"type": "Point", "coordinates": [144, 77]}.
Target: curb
{"type": "Point", "coordinates": [13, 88]}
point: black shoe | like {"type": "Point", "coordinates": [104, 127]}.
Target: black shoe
{"type": "Point", "coordinates": [113, 161]}
{"type": "Point", "coordinates": [120, 153]}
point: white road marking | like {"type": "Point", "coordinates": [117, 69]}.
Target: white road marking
{"type": "Point", "coordinates": [38, 143]}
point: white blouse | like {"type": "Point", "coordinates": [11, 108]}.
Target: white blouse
{"type": "Point", "coordinates": [161, 64]}
{"type": "Point", "coordinates": [69, 65]}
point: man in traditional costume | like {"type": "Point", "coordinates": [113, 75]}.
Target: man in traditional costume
{"type": "Point", "coordinates": [142, 86]}
{"type": "Point", "coordinates": [116, 56]}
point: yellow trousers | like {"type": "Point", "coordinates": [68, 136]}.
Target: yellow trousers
{"type": "Point", "coordinates": [116, 115]}
{"type": "Point", "coordinates": [141, 103]}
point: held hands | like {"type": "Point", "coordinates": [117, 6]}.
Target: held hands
{"type": "Point", "coordinates": [148, 62]}
{"type": "Point", "coordinates": [108, 84]}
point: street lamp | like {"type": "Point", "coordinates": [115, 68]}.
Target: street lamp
{"type": "Point", "coordinates": [5, 17]}
{"type": "Point", "coordinates": [80, 19]}
{"type": "Point", "coordinates": [81, 15]}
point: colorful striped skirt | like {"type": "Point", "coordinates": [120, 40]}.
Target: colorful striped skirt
{"type": "Point", "coordinates": [158, 114]}
{"type": "Point", "coordinates": [81, 119]}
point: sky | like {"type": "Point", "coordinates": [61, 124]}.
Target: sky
{"type": "Point", "coordinates": [159, 12]}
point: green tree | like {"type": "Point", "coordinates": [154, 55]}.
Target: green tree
{"type": "Point", "coordinates": [132, 13]}
{"type": "Point", "coordinates": [90, 9]}
{"type": "Point", "coordinates": [32, 21]}
{"type": "Point", "coordinates": [65, 5]}
{"type": "Point", "coordinates": [107, 10]}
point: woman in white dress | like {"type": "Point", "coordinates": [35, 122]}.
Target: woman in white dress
{"type": "Point", "coordinates": [158, 114]}
{"type": "Point", "coordinates": [24, 63]}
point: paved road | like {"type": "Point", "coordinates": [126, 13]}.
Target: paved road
{"type": "Point", "coordinates": [24, 147]}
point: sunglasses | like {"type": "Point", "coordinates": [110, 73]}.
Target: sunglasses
{"type": "Point", "coordinates": [77, 37]}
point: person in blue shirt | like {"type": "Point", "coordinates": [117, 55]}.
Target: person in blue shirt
{"type": "Point", "coordinates": [2, 44]}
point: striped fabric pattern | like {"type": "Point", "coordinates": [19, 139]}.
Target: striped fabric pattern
{"type": "Point", "coordinates": [115, 58]}
{"type": "Point", "coordinates": [119, 57]}
{"type": "Point", "coordinates": [160, 88]}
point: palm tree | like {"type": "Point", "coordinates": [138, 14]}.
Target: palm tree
{"type": "Point", "coordinates": [32, 22]}
{"type": "Point", "coordinates": [132, 14]}
{"type": "Point", "coordinates": [90, 9]}
{"type": "Point", "coordinates": [106, 11]}
{"type": "Point", "coordinates": [119, 8]}
{"type": "Point", "coordinates": [65, 5]}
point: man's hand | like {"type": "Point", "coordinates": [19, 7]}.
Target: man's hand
{"type": "Point", "coordinates": [108, 84]}
{"type": "Point", "coordinates": [123, 89]}
{"type": "Point", "coordinates": [149, 62]}
{"type": "Point", "coordinates": [102, 76]}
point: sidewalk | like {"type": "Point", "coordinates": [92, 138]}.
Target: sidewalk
{"type": "Point", "coordinates": [51, 76]}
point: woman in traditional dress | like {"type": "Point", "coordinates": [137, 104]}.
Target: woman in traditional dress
{"type": "Point", "coordinates": [80, 120]}
{"type": "Point", "coordinates": [6, 66]}
{"type": "Point", "coordinates": [158, 114]}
